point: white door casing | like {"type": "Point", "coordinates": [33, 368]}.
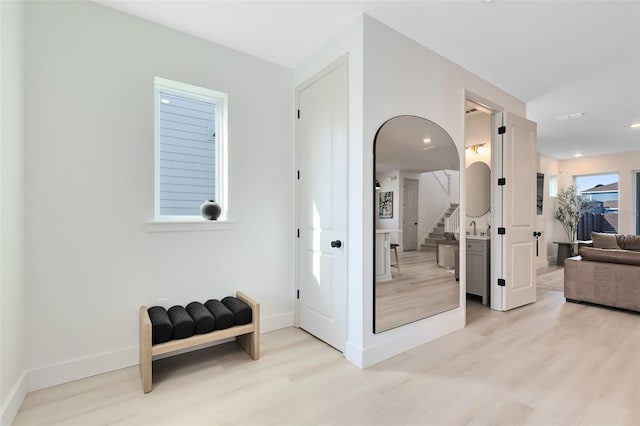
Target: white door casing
{"type": "Point", "coordinates": [410, 214]}
{"type": "Point", "coordinates": [514, 159]}
{"type": "Point", "coordinates": [321, 199]}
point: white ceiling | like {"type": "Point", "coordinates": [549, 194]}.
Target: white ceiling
{"type": "Point", "coordinates": [560, 57]}
{"type": "Point", "coordinates": [413, 144]}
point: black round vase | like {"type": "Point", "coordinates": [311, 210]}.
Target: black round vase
{"type": "Point", "coordinates": [210, 210]}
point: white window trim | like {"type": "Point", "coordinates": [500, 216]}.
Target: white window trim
{"type": "Point", "coordinates": [192, 223]}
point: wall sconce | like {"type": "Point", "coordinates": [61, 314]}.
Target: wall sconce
{"type": "Point", "coordinates": [474, 149]}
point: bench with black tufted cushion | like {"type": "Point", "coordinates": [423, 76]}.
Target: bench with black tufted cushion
{"type": "Point", "coordinates": [164, 332]}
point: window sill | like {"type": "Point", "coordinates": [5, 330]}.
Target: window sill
{"type": "Point", "coordinates": [189, 225]}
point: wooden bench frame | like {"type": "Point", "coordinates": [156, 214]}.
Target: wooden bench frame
{"type": "Point", "coordinates": [247, 336]}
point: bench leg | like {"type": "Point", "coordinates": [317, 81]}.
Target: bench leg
{"type": "Point", "coordinates": [250, 343]}
{"type": "Point", "coordinates": [145, 351]}
{"type": "Point", "coordinates": [146, 372]}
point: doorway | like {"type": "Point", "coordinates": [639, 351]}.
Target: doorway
{"type": "Point", "coordinates": [512, 219]}
{"type": "Point", "coordinates": [410, 213]}
{"type": "Point", "coordinates": [477, 221]}
{"type": "Point", "coordinates": [321, 203]}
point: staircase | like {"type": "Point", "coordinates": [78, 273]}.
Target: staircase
{"type": "Point", "coordinates": [437, 233]}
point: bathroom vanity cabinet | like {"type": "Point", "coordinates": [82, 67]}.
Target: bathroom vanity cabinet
{"type": "Point", "coordinates": [478, 267]}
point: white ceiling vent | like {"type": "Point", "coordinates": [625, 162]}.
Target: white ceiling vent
{"type": "Point", "coordinates": [570, 116]}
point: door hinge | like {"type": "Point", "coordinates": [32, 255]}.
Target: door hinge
{"type": "Point", "coordinates": [502, 181]}
{"type": "Point", "coordinates": [502, 231]}
{"type": "Point", "coordinates": [298, 174]}
{"type": "Point", "coordinates": [501, 130]}
{"type": "Point", "coordinates": [297, 294]}
{"type": "Point", "coordinates": [501, 282]}
{"type": "Point", "coordinates": [298, 114]}
{"type": "Point", "coordinates": [298, 232]}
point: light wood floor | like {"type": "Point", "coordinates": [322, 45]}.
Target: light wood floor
{"type": "Point", "coordinates": [421, 289]}
{"type": "Point", "coordinates": [549, 363]}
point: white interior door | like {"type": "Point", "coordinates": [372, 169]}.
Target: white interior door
{"type": "Point", "coordinates": [410, 219]}
{"type": "Point", "coordinates": [515, 160]}
{"type": "Point", "coordinates": [322, 205]}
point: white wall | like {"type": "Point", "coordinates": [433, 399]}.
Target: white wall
{"type": "Point", "coordinates": [454, 186]}
{"type": "Point", "coordinates": [403, 77]}
{"type": "Point", "coordinates": [89, 183]}
{"type": "Point", "coordinates": [625, 164]}
{"type": "Point", "coordinates": [12, 281]}
{"type": "Point", "coordinates": [546, 223]}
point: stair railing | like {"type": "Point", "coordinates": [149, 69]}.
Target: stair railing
{"type": "Point", "coordinates": [452, 223]}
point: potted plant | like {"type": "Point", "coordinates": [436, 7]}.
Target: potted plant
{"type": "Point", "coordinates": [569, 209]}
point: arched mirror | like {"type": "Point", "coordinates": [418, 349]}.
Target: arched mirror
{"type": "Point", "coordinates": [416, 222]}
{"type": "Point", "coordinates": [478, 179]}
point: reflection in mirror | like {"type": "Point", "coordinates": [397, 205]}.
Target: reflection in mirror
{"type": "Point", "coordinates": [478, 180]}
{"type": "Point", "coordinates": [416, 222]}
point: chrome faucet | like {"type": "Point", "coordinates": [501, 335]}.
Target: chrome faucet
{"type": "Point", "coordinates": [473, 222]}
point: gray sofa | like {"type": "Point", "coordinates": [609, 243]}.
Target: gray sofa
{"type": "Point", "coordinates": [607, 273]}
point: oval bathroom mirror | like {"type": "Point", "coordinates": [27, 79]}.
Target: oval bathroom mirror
{"type": "Point", "coordinates": [478, 178]}
{"type": "Point", "coordinates": [416, 196]}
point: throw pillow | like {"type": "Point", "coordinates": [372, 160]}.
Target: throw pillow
{"type": "Point", "coordinates": [604, 241]}
{"type": "Point", "coordinates": [629, 242]}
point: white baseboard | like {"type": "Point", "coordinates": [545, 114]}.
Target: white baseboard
{"type": "Point", "coordinates": [81, 368]}
{"type": "Point", "coordinates": [542, 263]}
{"type": "Point", "coordinates": [13, 402]}
{"type": "Point", "coordinates": [402, 339]}
{"type": "Point", "coordinates": [354, 354]}
{"type": "Point", "coordinates": [276, 322]}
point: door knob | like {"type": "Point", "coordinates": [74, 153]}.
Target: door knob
{"type": "Point", "coordinates": [336, 244]}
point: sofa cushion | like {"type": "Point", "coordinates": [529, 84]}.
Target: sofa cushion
{"type": "Point", "coordinates": [610, 255]}
{"type": "Point", "coordinates": [629, 242]}
{"type": "Point", "coordinates": [604, 241]}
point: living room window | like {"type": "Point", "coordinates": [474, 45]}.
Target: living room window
{"type": "Point", "coordinates": [190, 149]}
{"type": "Point", "coordinates": [602, 191]}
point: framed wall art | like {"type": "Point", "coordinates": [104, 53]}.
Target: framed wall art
{"type": "Point", "coordinates": [385, 206]}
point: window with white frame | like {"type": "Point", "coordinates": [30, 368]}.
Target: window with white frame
{"type": "Point", "coordinates": [553, 186]}
{"type": "Point", "coordinates": [190, 149]}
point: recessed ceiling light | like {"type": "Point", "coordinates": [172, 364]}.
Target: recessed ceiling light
{"type": "Point", "coordinates": [578, 155]}
{"type": "Point", "coordinates": [635, 125]}
{"type": "Point", "coordinates": [165, 101]}
{"type": "Point", "coordinates": [426, 140]}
